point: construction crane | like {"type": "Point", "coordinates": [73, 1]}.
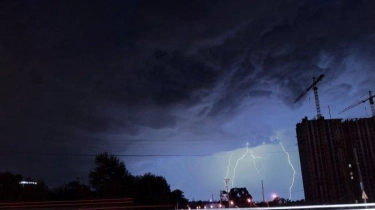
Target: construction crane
{"type": "Point", "coordinates": [315, 89]}
{"type": "Point", "coordinates": [370, 98]}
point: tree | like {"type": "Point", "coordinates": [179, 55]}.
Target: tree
{"type": "Point", "coordinates": [71, 191]}
{"type": "Point", "coordinates": [11, 189]}
{"type": "Point", "coordinates": [240, 196]}
{"type": "Point", "coordinates": [151, 189]}
{"type": "Point", "coordinates": [177, 197]}
{"type": "Point", "coordinates": [37, 192]}
{"type": "Point", "coordinates": [277, 201]}
{"type": "Point", "coordinates": [110, 178]}
{"type": "Point", "coordinates": [9, 186]}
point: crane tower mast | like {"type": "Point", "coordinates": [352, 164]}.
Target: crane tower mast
{"type": "Point", "coordinates": [315, 89]}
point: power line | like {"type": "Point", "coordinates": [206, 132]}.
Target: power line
{"type": "Point", "coordinates": [123, 155]}
{"type": "Point", "coordinates": [93, 155]}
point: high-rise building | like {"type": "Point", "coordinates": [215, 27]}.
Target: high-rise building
{"type": "Point", "coordinates": [328, 163]}
{"type": "Point", "coordinates": [360, 136]}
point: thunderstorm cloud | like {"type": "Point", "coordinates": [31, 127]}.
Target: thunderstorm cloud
{"type": "Point", "coordinates": [188, 82]}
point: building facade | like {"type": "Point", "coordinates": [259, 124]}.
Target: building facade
{"type": "Point", "coordinates": [328, 163]}
{"type": "Point", "coordinates": [360, 136]}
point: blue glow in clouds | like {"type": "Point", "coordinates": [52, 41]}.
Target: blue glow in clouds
{"type": "Point", "coordinates": [194, 168]}
{"type": "Point", "coordinates": [201, 177]}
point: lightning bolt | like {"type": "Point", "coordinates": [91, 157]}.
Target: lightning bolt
{"type": "Point", "coordinates": [241, 158]}
{"type": "Point", "coordinates": [183, 180]}
{"type": "Point", "coordinates": [294, 171]}
{"type": "Point", "coordinates": [178, 185]}
{"type": "Point", "coordinates": [230, 158]}
{"type": "Point", "coordinates": [255, 165]}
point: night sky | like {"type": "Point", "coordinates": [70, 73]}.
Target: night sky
{"type": "Point", "coordinates": [192, 90]}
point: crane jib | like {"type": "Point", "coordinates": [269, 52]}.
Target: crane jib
{"type": "Point", "coordinates": [370, 99]}
{"type": "Point", "coordinates": [308, 88]}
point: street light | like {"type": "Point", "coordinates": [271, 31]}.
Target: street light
{"type": "Point", "coordinates": [231, 203]}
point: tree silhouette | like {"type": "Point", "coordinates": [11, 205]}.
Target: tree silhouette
{"type": "Point", "coordinates": [177, 197]}
{"type": "Point", "coordinates": [110, 178]}
{"type": "Point", "coordinates": [9, 186]}
{"type": "Point", "coordinates": [12, 190]}
{"type": "Point", "coordinates": [277, 201]}
{"type": "Point", "coordinates": [240, 196]}
{"type": "Point", "coordinates": [71, 191]}
{"type": "Point", "coordinates": [151, 189]}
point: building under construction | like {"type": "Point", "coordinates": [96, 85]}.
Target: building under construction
{"type": "Point", "coordinates": [337, 159]}
{"type": "Point", "coordinates": [337, 156]}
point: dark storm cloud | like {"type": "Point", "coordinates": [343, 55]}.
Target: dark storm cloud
{"type": "Point", "coordinates": [292, 45]}
{"type": "Point", "coordinates": [260, 93]}
{"type": "Point", "coordinates": [172, 77]}
{"type": "Point", "coordinates": [53, 56]}
{"type": "Point", "coordinates": [78, 58]}
{"type": "Point", "coordinates": [291, 50]}
{"type": "Point", "coordinates": [75, 72]}
{"type": "Point", "coordinates": [331, 27]}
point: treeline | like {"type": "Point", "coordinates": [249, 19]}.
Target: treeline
{"type": "Point", "coordinates": [109, 179]}
{"type": "Point", "coordinates": [11, 189]}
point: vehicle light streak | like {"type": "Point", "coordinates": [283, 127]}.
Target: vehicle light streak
{"type": "Point", "coordinates": [341, 206]}
{"type": "Point", "coordinates": [54, 204]}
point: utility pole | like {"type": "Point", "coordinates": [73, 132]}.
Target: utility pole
{"type": "Point", "coordinates": [364, 196]}
{"type": "Point", "coordinates": [226, 180]}
{"type": "Point", "coordinates": [329, 110]}
{"type": "Point", "coordinates": [263, 191]}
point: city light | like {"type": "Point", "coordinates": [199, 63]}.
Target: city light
{"type": "Point", "coordinates": [26, 182]}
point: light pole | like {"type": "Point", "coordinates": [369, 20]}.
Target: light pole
{"type": "Point", "coordinates": [263, 191]}
{"type": "Point", "coordinates": [364, 196]}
